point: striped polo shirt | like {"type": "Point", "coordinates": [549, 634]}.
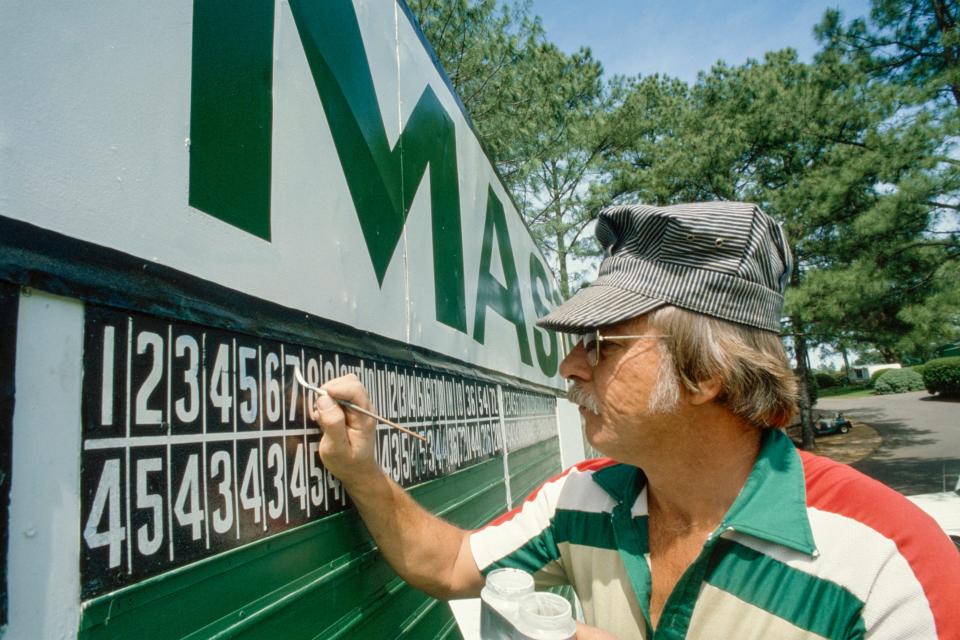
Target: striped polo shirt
{"type": "Point", "coordinates": [809, 549]}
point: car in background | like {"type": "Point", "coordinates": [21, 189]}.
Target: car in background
{"type": "Point", "coordinates": [944, 507]}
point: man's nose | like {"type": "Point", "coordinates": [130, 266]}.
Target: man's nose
{"type": "Point", "coordinates": [575, 365]}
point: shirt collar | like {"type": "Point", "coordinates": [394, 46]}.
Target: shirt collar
{"type": "Point", "coordinates": [772, 505]}
{"type": "Point", "coordinates": [623, 482]}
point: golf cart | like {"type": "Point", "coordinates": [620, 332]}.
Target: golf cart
{"type": "Point", "coordinates": [836, 424]}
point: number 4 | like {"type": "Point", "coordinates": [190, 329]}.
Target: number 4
{"type": "Point", "coordinates": [250, 496]}
{"type": "Point", "coordinates": [298, 481]}
{"type": "Point", "coordinates": [220, 383]}
{"type": "Point", "coordinates": [190, 490]}
{"type": "Point", "coordinates": [107, 497]}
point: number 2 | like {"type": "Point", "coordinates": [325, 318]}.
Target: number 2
{"type": "Point", "coordinates": [146, 415]}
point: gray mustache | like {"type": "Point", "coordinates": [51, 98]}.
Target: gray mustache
{"type": "Point", "coordinates": [577, 395]}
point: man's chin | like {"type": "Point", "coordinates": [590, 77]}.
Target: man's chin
{"type": "Point", "coordinates": [591, 423]}
{"type": "Point", "coordinates": [586, 413]}
{"type": "Point", "coordinates": [591, 433]}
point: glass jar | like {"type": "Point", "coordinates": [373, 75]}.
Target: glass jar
{"type": "Point", "coordinates": [546, 616]}
{"type": "Point", "coordinates": [500, 602]}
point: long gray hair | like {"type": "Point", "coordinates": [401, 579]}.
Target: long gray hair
{"type": "Point", "coordinates": [756, 381]}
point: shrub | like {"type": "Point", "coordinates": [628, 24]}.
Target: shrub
{"type": "Point", "coordinates": [875, 376]}
{"type": "Point", "coordinates": [825, 380]}
{"type": "Point", "coordinates": [942, 376]}
{"type": "Point", "coordinates": [898, 381]}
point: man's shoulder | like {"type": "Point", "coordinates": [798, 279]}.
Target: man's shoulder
{"type": "Point", "coordinates": [582, 474]}
{"type": "Point", "coordinates": [571, 489]}
{"type": "Point", "coordinates": [870, 535]}
{"type": "Point", "coordinates": [839, 488]}
{"type": "Point", "coordinates": [583, 486]}
{"type": "Point", "coordinates": [598, 473]}
{"type": "Point", "coordinates": [573, 480]}
{"type": "Point", "coordinates": [838, 492]}
{"type": "Point", "coordinates": [589, 466]}
{"type": "Point", "coordinates": [842, 490]}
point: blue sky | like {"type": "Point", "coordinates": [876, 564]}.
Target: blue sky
{"type": "Point", "coordinates": [679, 38]}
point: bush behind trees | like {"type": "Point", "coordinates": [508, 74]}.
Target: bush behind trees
{"type": "Point", "coordinates": [898, 381]}
{"type": "Point", "coordinates": [826, 380]}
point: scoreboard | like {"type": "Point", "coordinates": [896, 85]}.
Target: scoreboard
{"type": "Point", "coordinates": [198, 440]}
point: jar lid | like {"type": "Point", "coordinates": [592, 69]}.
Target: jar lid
{"type": "Point", "coordinates": [510, 583]}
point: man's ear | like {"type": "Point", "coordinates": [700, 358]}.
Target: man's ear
{"type": "Point", "coordinates": [707, 390]}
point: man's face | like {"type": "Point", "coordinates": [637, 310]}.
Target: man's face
{"type": "Point", "coordinates": [615, 396]}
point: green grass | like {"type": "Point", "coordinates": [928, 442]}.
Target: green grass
{"type": "Point", "coordinates": [853, 391]}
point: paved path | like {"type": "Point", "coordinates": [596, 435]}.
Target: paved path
{"type": "Point", "coordinates": [921, 438]}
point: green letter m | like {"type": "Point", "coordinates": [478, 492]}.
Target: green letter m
{"type": "Point", "coordinates": [382, 181]}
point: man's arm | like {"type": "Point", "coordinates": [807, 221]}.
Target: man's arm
{"type": "Point", "coordinates": [429, 553]}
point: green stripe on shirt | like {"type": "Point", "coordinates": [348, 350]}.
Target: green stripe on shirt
{"type": "Point", "coordinates": [585, 528]}
{"type": "Point", "coordinates": [811, 603]}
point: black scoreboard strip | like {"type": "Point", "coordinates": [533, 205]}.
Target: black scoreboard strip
{"type": "Point", "coordinates": [197, 440]}
{"type": "Point", "coordinates": [9, 302]}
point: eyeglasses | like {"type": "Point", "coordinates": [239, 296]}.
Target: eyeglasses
{"type": "Point", "coordinates": [591, 343]}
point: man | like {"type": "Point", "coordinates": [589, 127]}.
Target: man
{"type": "Point", "coordinates": [705, 522]}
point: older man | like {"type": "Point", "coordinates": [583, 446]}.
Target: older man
{"type": "Point", "coordinates": [704, 522]}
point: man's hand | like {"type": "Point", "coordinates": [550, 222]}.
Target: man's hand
{"type": "Point", "coordinates": [347, 446]}
{"type": "Point", "coordinates": [430, 554]}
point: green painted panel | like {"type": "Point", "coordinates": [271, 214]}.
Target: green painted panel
{"type": "Point", "coordinates": [318, 581]}
{"type": "Point", "coordinates": [531, 466]}
{"type": "Point", "coordinates": [404, 612]}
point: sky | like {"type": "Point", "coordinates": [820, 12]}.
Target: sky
{"type": "Point", "coordinates": [681, 37]}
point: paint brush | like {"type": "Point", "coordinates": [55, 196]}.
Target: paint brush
{"type": "Point", "coordinates": [350, 405]}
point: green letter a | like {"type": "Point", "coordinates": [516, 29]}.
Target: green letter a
{"type": "Point", "coordinates": [506, 301]}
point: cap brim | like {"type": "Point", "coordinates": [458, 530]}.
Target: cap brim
{"type": "Point", "coordinates": [597, 306]}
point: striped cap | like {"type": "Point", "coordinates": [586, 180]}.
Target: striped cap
{"type": "Point", "coordinates": [729, 260]}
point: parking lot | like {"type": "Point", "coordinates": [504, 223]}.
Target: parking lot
{"type": "Point", "coordinates": [918, 450]}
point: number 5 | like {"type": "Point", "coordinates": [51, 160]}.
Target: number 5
{"type": "Point", "coordinates": [145, 543]}
{"type": "Point", "coordinates": [248, 384]}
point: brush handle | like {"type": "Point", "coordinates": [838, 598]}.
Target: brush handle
{"type": "Point", "coordinates": [357, 408]}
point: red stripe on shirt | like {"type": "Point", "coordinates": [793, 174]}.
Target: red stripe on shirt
{"type": "Point", "coordinates": [932, 557]}
{"type": "Point", "coordinates": [593, 464]}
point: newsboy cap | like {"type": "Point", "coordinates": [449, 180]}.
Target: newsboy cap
{"type": "Point", "coordinates": [728, 260]}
